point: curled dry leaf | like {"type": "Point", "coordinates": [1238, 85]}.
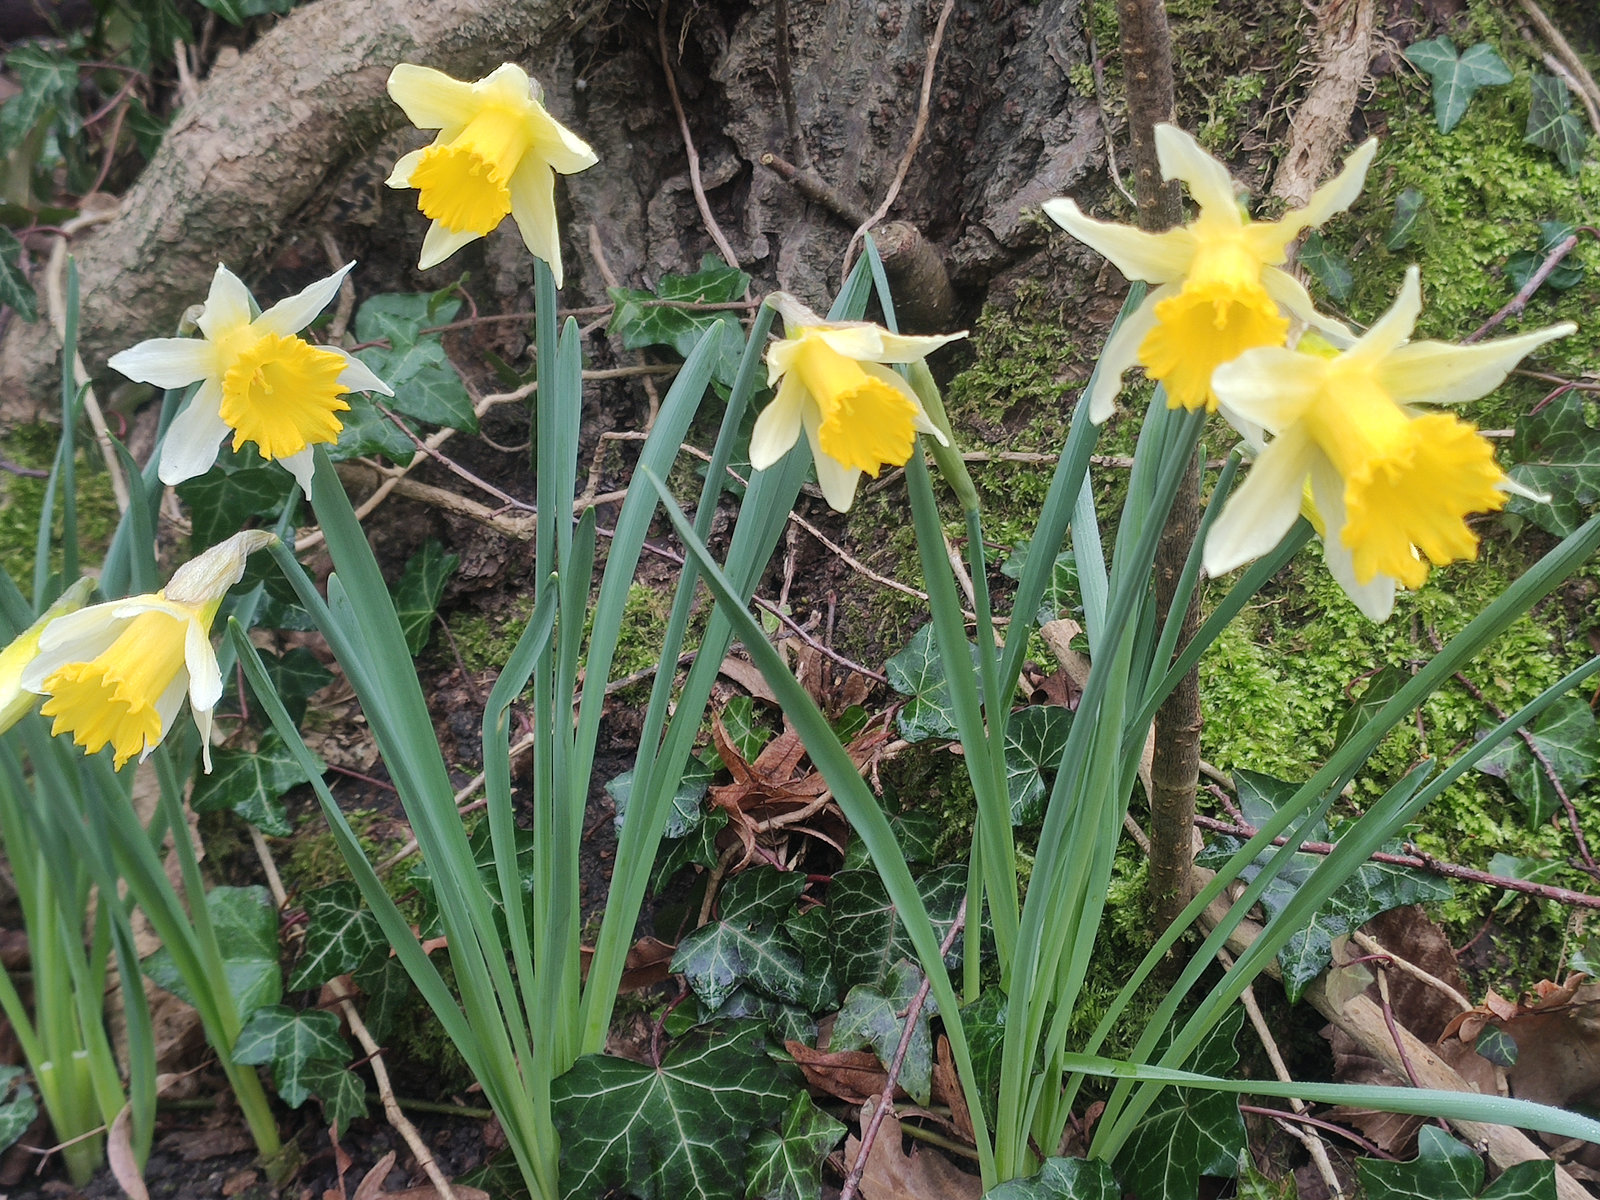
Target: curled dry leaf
{"type": "Point", "coordinates": [892, 1174]}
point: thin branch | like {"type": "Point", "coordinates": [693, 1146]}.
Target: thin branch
{"type": "Point", "coordinates": [1520, 301]}
{"type": "Point", "coordinates": [700, 200]}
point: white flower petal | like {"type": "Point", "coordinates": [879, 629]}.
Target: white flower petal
{"type": "Point", "coordinates": [440, 243]}
{"type": "Point", "coordinates": [907, 348]}
{"type": "Point", "coordinates": [1332, 198]}
{"type": "Point", "coordinates": [837, 481]}
{"type": "Point", "coordinates": [296, 312]}
{"type": "Point", "coordinates": [1209, 182]}
{"type": "Point", "coordinates": [301, 464]}
{"type": "Point", "coordinates": [400, 177]}
{"type": "Point", "coordinates": [1375, 599]}
{"type": "Point", "coordinates": [1390, 331]}
{"type": "Point", "coordinates": [533, 207]}
{"type": "Point", "coordinates": [1263, 508]}
{"type": "Point", "coordinates": [431, 99]}
{"type": "Point", "coordinates": [227, 304]}
{"type": "Point", "coordinates": [357, 376]}
{"type": "Point", "coordinates": [853, 340]}
{"type": "Point", "coordinates": [195, 436]}
{"type": "Point", "coordinates": [1152, 257]}
{"type": "Point", "coordinates": [795, 314]}
{"type": "Point", "coordinates": [778, 425]}
{"type": "Point", "coordinates": [75, 637]}
{"type": "Point", "coordinates": [1508, 484]}
{"type": "Point", "coordinates": [1269, 386]}
{"type": "Point", "coordinates": [1441, 373]}
{"type": "Point", "coordinates": [167, 362]}
{"type": "Point", "coordinates": [167, 707]}
{"type": "Point", "coordinates": [1122, 353]}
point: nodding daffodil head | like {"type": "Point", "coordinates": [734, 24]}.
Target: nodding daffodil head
{"type": "Point", "coordinates": [16, 701]}
{"type": "Point", "coordinates": [497, 153]}
{"type": "Point", "coordinates": [117, 673]}
{"type": "Point", "coordinates": [258, 380]}
{"type": "Point", "coordinates": [1220, 287]}
{"type": "Point", "coordinates": [858, 415]}
{"type": "Point", "coordinates": [1392, 484]}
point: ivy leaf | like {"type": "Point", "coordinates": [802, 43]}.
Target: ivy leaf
{"type": "Point", "coordinates": [1331, 268]}
{"type": "Point", "coordinates": [48, 80]}
{"type": "Point", "coordinates": [290, 1041]}
{"type": "Point", "coordinates": [985, 1022]}
{"type": "Point", "coordinates": [400, 317]}
{"type": "Point", "coordinates": [1456, 77]}
{"type": "Point", "coordinates": [1035, 737]}
{"type": "Point", "coordinates": [918, 672]}
{"type": "Point", "coordinates": [1521, 265]}
{"type": "Point", "coordinates": [1188, 1132]}
{"type": "Point", "coordinates": [744, 727]}
{"type": "Point", "coordinates": [246, 922]}
{"type": "Point", "coordinates": [649, 319]}
{"type": "Point", "coordinates": [1498, 1046]}
{"type": "Point", "coordinates": [17, 1112]}
{"type": "Point", "coordinates": [15, 290]}
{"type": "Point", "coordinates": [370, 433]}
{"type": "Point", "coordinates": [427, 386]}
{"type": "Point", "coordinates": [340, 935]}
{"type": "Point", "coordinates": [1379, 691]}
{"type": "Point", "coordinates": [249, 784]}
{"type": "Point", "coordinates": [812, 934]}
{"type": "Point", "coordinates": [1444, 1169]}
{"type": "Point", "coordinates": [1552, 125]}
{"type": "Point", "coordinates": [222, 501]}
{"type": "Point", "coordinates": [876, 1018]}
{"type": "Point", "coordinates": [787, 1022]}
{"type": "Point", "coordinates": [343, 1095]}
{"type": "Point", "coordinates": [868, 936]}
{"type": "Point", "coordinates": [1061, 593]}
{"type": "Point", "coordinates": [681, 1129]}
{"type": "Point", "coordinates": [237, 12]}
{"type": "Point", "coordinates": [1558, 453]}
{"type": "Point", "coordinates": [388, 990]}
{"type": "Point", "coordinates": [1569, 739]}
{"type": "Point", "coordinates": [1063, 1179]}
{"type": "Point", "coordinates": [687, 812]}
{"type": "Point", "coordinates": [482, 848]}
{"type": "Point", "coordinates": [1408, 206]}
{"type": "Point", "coordinates": [1372, 889]}
{"type": "Point", "coordinates": [787, 1165]}
{"type": "Point", "coordinates": [295, 675]}
{"type": "Point", "coordinates": [745, 945]}
{"type": "Point", "coordinates": [698, 847]}
{"type": "Point", "coordinates": [417, 594]}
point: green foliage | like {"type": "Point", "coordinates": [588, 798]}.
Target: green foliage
{"type": "Point", "coordinates": [1408, 209]}
{"type": "Point", "coordinates": [1061, 594]}
{"type": "Point", "coordinates": [787, 1165]}
{"type": "Point", "coordinates": [246, 922]}
{"type": "Point", "coordinates": [877, 1018]}
{"type": "Point", "coordinates": [687, 812]}
{"type": "Point", "coordinates": [918, 672]}
{"type": "Point", "coordinates": [1456, 77]}
{"type": "Point", "coordinates": [1331, 268]}
{"type": "Point", "coordinates": [1521, 265]}
{"type": "Point", "coordinates": [868, 936]}
{"type": "Point", "coordinates": [1444, 1169]}
{"type": "Point", "coordinates": [746, 730]}
{"type": "Point", "coordinates": [1188, 1132]}
{"type": "Point", "coordinates": [18, 1108]}
{"type": "Point", "coordinates": [1557, 449]}
{"type": "Point", "coordinates": [295, 674]}
{"type": "Point", "coordinates": [1374, 888]}
{"type": "Point", "coordinates": [290, 1042]}
{"type": "Point", "coordinates": [622, 1123]}
{"type": "Point", "coordinates": [1063, 1179]}
{"type": "Point", "coordinates": [388, 990]}
{"type": "Point", "coordinates": [341, 935]}
{"type": "Point", "coordinates": [240, 11]}
{"type": "Point", "coordinates": [1552, 125]}
{"type": "Point", "coordinates": [654, 319]}
{"type": "Point", "coordinates": [1567, 739]}
{"type": "Point", "coordinates": [419, 590]}
{"type": "Point", "coordinates": [426, 385]}
{"type": "Point", "coordinates": [15, 290]}
{"type": "Point", "coordinates": [1035, 737]}
{"type": "Point", "coordinates": [239, 488]}
{"type": "Point", "coordinates": [250, 784]}
{"type": "Point", "coordinates": [746, 945]}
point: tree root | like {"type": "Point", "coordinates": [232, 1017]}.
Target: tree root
{"type": "Point", "coordinates": [253, 151]}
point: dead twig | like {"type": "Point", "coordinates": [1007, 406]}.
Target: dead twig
{"type": "Point", "coordinates": [700, 200]}
{"type": "Point", "coordinates": [1579, 78]}
{"type": "Point", "coordinates": [1520, 301]}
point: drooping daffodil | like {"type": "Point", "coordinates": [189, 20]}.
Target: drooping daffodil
{"type": "Point", "coordinates": [16, 701]}
{"type": "Point", "coordinates": [858, 415]}
{"type": "Point", "coordinates": [1392, 485]}
{"type": "Point", "coordinates": [497, 152]}
{"type": "Point", "coordinates": [258, 380]}
{"type": "Point", "coordinates": [1221, 289]}
{"type": "Point", "coordinates": [117, 673]}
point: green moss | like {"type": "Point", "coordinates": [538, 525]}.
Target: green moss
{"type": "Point", "coordinates": [22, 502]}
{"type": "Point", "coordinates": [484, 641]}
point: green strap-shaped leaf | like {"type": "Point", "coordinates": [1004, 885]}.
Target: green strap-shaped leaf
{"type": "Point", "coordinates": [681, 1129]}
{"type": "Point", "coordinates": [787, 1165]}
{"type": "Point", "coordinates": [1063, 1179]}
{"type": "Point", "coordinates": [1456, 77]}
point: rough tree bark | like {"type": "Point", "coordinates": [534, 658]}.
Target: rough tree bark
{"type": "Point", "coordinates": [254, 149]}
{"type": "Point", "coordinates": [1175, 769]}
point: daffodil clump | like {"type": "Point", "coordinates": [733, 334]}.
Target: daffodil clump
{"type": "Point", "coordinates": [833, 383]}
{"type": "Point", "coordinates": [258, 380]}
{"type": "Point", "coordinates": [1388, 485]}
{"type": "Point", "coordinates": [497, 154]}
{"type": "Point", "coordinates": [117, 673]}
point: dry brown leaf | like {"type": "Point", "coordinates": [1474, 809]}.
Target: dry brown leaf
{"type": "Point", "coordinates": [645, 966]}
{"type": "Point", "coordinates": [748, 676]}
{"type": "Point", "coordinates": [892, 1174]}
{"type": "Point", "coordinates": [947, 1083]}
{"type": "Point", "coordinates": [848, 1075]}
{"type": "Point", "coordinates": [371, 1185]}
{"type": "Point", "coordinates": [240, 1181]}
{"type": "Point", "coordinates": [1558, 1055]}
{"type": "Point", "coordinates": [198, 1145]}
{"type": "Point", "coordinates": [120, 1157]}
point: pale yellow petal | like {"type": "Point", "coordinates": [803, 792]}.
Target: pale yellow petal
{"type": "Point", "coordinates": [533, 207]}
{"type": "Point", "coordinates": [1152, 257]}
{"type": "Point", "coordinates": [1181, 157]}
{"type": "Point", "coordinates": [1122, 353]}
{"type": "Point", "coordinates": [1441, 373]}
{"type": "Point", "coordinates": [1374, 598]}
{"type": "Point", "coordinates": [441, 242]}
{"type": "Point", "coordinates": [400, 177]}
{"type": "Point", "coordinates": [1390, 331]}
{"type": "Point", "coordinates": [207, 578]}
{"type": "Point", "coordinates": [837, 481]}
{"type": "Point", "coordinates": [778, 425]}
{"type": "Point", "coordinates": [907, 348]}
{"type": "Point", "coordinates": [227, 305]}
{"type": "Point", "coordinates": [1269, 387]}
{"type": "Point", "coordinates": [431, 99]}
{"type": "Point", "coordinates": [1332, 198]}
{"type": "Point", "coordinates": [1263, 508]}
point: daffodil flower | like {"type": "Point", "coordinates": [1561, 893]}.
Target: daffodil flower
{"type": "Point", "coordinates": [117, 673]}
{"type": "Point", "coordinates": [1221, 290]}
{"type": "Point", "coordinates": [16, 701]}
{"type": "Point", "coordinates": [257, 380]}
{"type": "Point", "coordinates": [497, 152]}
{"type": "Point", "coordinates": [1392, 485]}
{"type": "Point", "coordinates": [857, 414]}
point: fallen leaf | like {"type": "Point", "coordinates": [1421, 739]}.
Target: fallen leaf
{"type": "Point", "coordinates": [123, 1161]}
{"type": "Point", "coordinates": [848, 1075]}
{"type": "Point", "coordinates": [947, 1082]}
{"type": "Point", "coordinates": [892, 1174]}
{"type": "Point", "coordinates": [240, 1181]}
{"type": "Point", "coordinates": [748, 676]}
{"type": "Point", "coordinates": [198, 1145]}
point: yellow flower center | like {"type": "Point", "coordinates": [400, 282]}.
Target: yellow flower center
{"type": "Point", "coordinates": [113, 698]}
{"type": "Point", "coordinates": [282, 393]}
{"type": "Point", "coordinates": [465, 183]}
{"type": "Point", "coordinates": [1221, 312]}
{"type": "Point", "coordinates": [866, 422]}
{"type": "Point", "coordinates": [1409, 482]}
